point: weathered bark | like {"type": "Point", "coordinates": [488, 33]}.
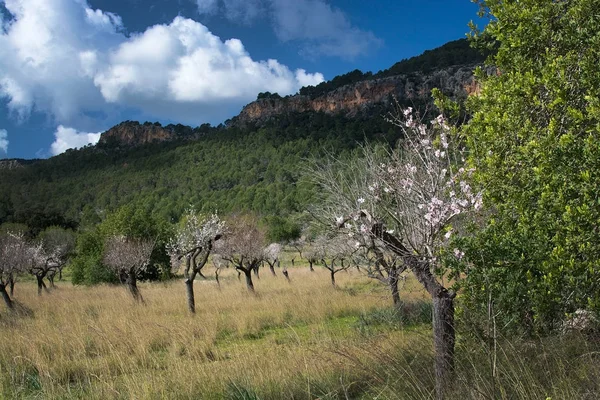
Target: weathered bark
{"type": "Point", "coordinates": [217, 278]}
{"type": "Point", "coordinates": [286, 274]}
{"type": "Point", "coordinates": [444, 333]}
{"type": "Point", "coordinates": [189, 274]}
{"type": "Point", "coordinates": [248, 274]}
{"type": "Point", "coordinates": [189, 289]}
{"type": "Point", "coordinates": [393, 282]}
{"type": "Point", "coordinates": [40, 282]}
{"type": "Point", "coordinates": [332, 272]}
{"type": "Point", "coordinates": [7, 300]}
{"type": "Point", "coordinates": [11, 282]}
{"type": "Point", "coordinates": [132, 285]}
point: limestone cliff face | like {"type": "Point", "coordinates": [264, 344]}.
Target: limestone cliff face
{"type": "Point", "coordinates": [133, 133]}
{"type": "Point", "coordinates": [351, 99]}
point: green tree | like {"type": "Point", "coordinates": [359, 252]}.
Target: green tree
{"type": "Point", "coordinates": [535, 143]}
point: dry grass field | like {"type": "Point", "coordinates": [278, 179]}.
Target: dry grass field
{"type": "Point", "coordinates": [298, 340]}
{"type": "Point", "coordinates": [287, 341]}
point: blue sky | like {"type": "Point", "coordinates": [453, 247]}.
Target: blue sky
{"type": "Point", "coordinates": [70, 69]}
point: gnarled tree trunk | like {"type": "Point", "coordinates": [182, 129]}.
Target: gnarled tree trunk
{"type": "Point", "coordinates": [248, 273]}
{"type": "Point", "coordinates": [40, 282]}
{"type": "Point", "coordinates": [11, 282]}
{"type": "Point", "coordinates": [189, 290]}
{"type": "Point", "coordinates": [444, 334]}
{"type": "Point", "coordinates": [132, 285]}
{"type": "Point", "coordinates": [393, 283]}
{"type": "Point", "coordinates": [7, 300]}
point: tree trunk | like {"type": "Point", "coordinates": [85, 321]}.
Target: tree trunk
{"type": "Point", "coordinates": [217, 279]}
{"type": "Point", "coordinates": [249, 284]}
{"type": "Point", "coordinates": [255, 269]}
{"type": "Point", "coordinates": [11, 282]}
{"type": "Point", "coordinates": [189, 290]}
{"type": "Point", "coordinates": [133, 289]}
{"type": "Point", "coordinates": [444, 339]}
{"type": "Point", "coordinates": [393, 282]}
{"type": "Point", "coordinates": [272, 268]}
{"type": "Point", "coordinates": [7, 300]}
{"type": "Point", "coordinates": [443, 310]}
{"type": "Point", "coordinates": [310, 265]}
{"type": "Point", "coordinates": [333, 278]}
{"type": "Point", "coordinates": [40, 283]}
{"type": "Point", "coordinates": [51, 281]}
{"type": "Point", "coordinates": [285, 273]}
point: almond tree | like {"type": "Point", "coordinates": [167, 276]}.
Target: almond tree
{"type": "Point", "coordinates": [219, 263]}
{"type": "Point", "coordinates": [243, 247]}
{"type": "Point", "coordinates": [128, 257]}
{"type": "Point", "coordinates": [405, 200]}
{"type": "Point", "coordinates": [60, 244]}
{"type": "Point", "coordinates": [14, 252]}
{"type": "Point", "coordinates": [271, 256]}
{"type": "Point", "coordinates": [334, 253]}
{"type": "Point", "coordinates": [50, 255]}
{"type": "Point", "coordinates": [384, 266]}
{"type": "Point", "coordinates": [194, 242]}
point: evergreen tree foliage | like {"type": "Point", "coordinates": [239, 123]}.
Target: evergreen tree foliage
{"type": "Point", "coordinates": [535, 142]}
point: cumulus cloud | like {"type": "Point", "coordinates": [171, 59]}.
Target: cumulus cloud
{"type": "Point", "coordinates": [69, 138]}
{"type": "Point", "coordinates": [319, 28]}
{"type": "Point", "coordinates": [3, 141]}
{"type": "Point", "coordinates": [62, 58]}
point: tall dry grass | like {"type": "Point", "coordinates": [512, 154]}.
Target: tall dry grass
{"type": "Point", "coordinates": [298, 340]}
{"type": "Point", "coordinates": [285, 341]}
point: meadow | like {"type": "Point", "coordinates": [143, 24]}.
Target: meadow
{"type": "Point", "coordinates": [298, 340]}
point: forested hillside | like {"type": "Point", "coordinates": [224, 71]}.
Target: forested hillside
{"type": "Point", "coordinates": [228, 170]}
{"type": "Point", "coordinates": [232, 167]}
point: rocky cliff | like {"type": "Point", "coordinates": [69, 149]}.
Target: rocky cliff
{"type": "Point", "coordinates": [131, 133]}
{"type": "Point", "coordinates": [354, 98]}
{"type": "Point", "coordinates": [350, 100]}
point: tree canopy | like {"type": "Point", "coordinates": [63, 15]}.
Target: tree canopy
{"type": "Point", "coordinates": [535, 144]}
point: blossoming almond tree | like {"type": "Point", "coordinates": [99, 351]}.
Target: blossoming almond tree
{"type": "Point", "coordinates": [335, 253]}
{"type": "Point", "coordinates": [271, 256]}
{"type": "Point", "coordinates": [405, 200]}
{"type": "Point", "coordinates": [194, 242]}
{"type": "Point", "coordinates": [243, 247]}
{"type": "Point", "coordinates": [128, 257]}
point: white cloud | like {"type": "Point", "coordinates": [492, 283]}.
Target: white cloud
{"type": "Point", "coordinates": [62, 58]}
{"type": "Point", "coordinates": [3, 141]}
{"type": "Point", "coordinates": [69, 138]}
{"type": "Point", "coordinates": [185, 63]}
{"type": "Point", "coordinates": [319, 28]}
